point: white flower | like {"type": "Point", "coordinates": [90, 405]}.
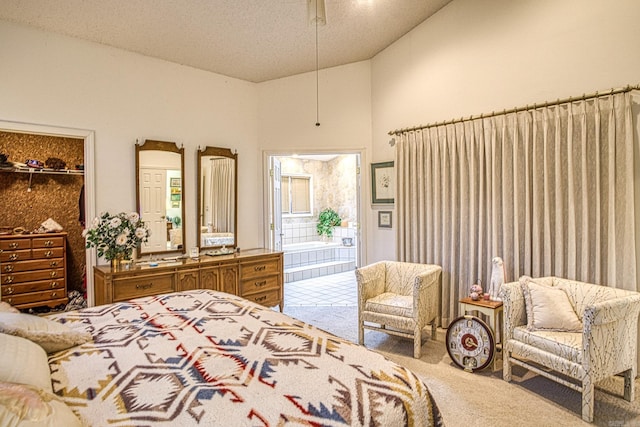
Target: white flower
{"type": "Point", "coordinates": [122, 239]}
{"type": "Point", "coordinates": [95, 222]}
{"type": "Point", "coordinates": [133, 216]}
{"type": "Point", "coordinates": [141, 233]}
{"type": "Point", "coordinates": [115, 222]}
{"type": "Point", "coordinates": [84, 232]}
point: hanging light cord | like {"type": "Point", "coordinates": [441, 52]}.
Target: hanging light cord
{"type": "Point", "coordinates": [317, 72]}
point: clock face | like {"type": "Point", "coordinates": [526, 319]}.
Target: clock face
{"type": "Point", "coordinates": [470, 343]}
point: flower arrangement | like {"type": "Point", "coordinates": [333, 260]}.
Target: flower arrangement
{"type": "Point", "coordinates": [476, 290]}
{"type": "Point", "coordinates": [115, 236]}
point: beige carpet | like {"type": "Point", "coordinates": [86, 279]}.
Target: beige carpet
{"type": "Point", "coordinates": [482, 398]}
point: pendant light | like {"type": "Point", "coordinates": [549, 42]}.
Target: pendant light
{"type": "Point", "coordinates": [317, 16]}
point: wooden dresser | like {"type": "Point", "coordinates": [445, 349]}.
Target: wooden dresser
{"type": "Point", "coordinates": [255, 274]}
{"type": "Point", "coordinates": [33, 269]}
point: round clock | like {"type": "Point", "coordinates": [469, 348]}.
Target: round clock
{"type": "Point", "coordinates": [470, 343]}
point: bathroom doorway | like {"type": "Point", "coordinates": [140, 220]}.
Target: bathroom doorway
{"type": "Point", "coordinates": [301, 186]}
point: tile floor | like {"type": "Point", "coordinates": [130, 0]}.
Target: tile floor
{"type": "Point", "coordinates": [336, 289]}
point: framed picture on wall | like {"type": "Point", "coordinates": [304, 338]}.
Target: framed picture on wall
{"type": "Point", "coordinates": [174, 182]}
{"type": "Point", "coordinates": [384, 219]}
{"type": "Point", "coordinates": [382, 183]}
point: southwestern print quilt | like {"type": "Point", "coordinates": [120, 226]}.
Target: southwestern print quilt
{"type": "Point", "coordinates": [209, 358]}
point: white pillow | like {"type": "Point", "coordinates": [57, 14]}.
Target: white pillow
{"type": "Point", "coordinates": [52, 336]}
{"type": "Point", "coordinates": [24, 362]}
{"type": "Point", "coordinates": [4, 307]}
{"type": "Point", "coordinates": [25, 406]}
{"type": "Point", "coordinates": [548, 308]}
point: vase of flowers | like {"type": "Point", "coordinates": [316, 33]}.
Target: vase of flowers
{"type": "Point", "coordinates": [115, 236]}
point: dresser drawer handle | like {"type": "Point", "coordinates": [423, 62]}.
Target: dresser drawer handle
{"type": "Point", "coordinates": [54, 294]}
{"type": "Point", "coordinates": [9, 290]}
{"type": "Point", "coordinates": [13, 245]}
{"type": "Point", "coordinates": [9, 300]}
{"type": "Point", "coordinates": [8, 268]}
{"type": "Point", "coordinates": [260, 284]}
{"type": "Point", "coordinates": [48, 254]}
{"type": "Point", "coordinates": [53, 274]}
{"type": "Point", "coordinates": [54, 285]}
{"type": "Point", "coordinates": [1, 250]}
{"type": "Point", "coordinates": [259, 267]}
{"type": "Point", "coordinates": [53, 264]}
{"type": "Point", "coordinates": [8, 279]}
{"type": "Point", "coordinates": [260, 299]}
{"type": "Point", "coordinates": [48, 243]}
{"type": "Point", "coordinates": [147, 286]}
{"type": "Point", "coordinates": [13, 257]}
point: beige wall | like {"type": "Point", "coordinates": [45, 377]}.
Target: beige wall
{"type": "Point", "coordinates": [61, 81]}
{"type": "Point", "coordinates": [476, 57]}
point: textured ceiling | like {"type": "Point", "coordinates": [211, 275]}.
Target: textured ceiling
{"type": "Point", "coordinates": [253, 40]}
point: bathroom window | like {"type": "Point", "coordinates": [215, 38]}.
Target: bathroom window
{"type": "Point", "coordinates": [296, 195]}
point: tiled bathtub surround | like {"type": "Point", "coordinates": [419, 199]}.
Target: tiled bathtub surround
{"type": "Point", "coordinates": [315, 258]}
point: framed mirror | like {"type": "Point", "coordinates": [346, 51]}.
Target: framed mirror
{"type": "Point", "coordinates": [160, 195]}
{"type": "Point", "coordinates": [217, 198]}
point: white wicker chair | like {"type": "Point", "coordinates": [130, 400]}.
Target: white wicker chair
{"type": "Point", "coordinates": [605, 346]}
{"type": "Point", "coordinates": [399, 298]}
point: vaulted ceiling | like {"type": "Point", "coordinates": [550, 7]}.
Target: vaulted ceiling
{"type": "Point", "coordinates": [253, 40]}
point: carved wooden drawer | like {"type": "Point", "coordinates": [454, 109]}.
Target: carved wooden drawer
{"type": "Point", "coordinates": [11, 256]}
{"type": "Point", "coordinates": [43, 285]}
{"type": "Point", "coordinates": [48, 242]}
{"type": "Point", "coordinates": [36, 299]}
{"type": "Point", "coordinates": [12, 278]}
{"type": "Point", "coordinates": [37, 264]}
{"type": "Point", "coordinates": [33, 269]}
{"type": "Point", "coordinates": [250, 270]}
{"type": "Point", "coordinates": [259, 284]}
{"type": "Point", "coordinates": [140, 286]}
{"type": "Point", "coordinates": [11, 244]}
{"type": "Point", "coordinates": [266, 298]}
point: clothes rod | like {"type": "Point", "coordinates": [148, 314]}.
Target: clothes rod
{"type": "Point", "coordinates": [628, 88]}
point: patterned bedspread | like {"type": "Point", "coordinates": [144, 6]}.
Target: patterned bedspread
{"type": "Point", "coordinates": [210, 358]}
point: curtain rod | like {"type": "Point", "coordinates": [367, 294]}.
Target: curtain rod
{"type": "Point", "coordinates": [628, 88]}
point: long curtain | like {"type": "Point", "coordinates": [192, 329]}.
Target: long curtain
{"type": "Point", "coordinates": [220, 203]}
{"type": "Point", "coordinates": [550, 190]}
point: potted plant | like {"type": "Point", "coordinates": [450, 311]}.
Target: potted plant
{"type": "Point", "coordinates": [327, 219]}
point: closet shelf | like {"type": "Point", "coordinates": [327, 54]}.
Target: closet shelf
{"type": "Point", "coordinates": [45, 171]}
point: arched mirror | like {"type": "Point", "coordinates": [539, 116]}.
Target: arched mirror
{"type": "Point", "coordinates": [160, 195]}
{"type": "Point", "coordinates": [217, 198]}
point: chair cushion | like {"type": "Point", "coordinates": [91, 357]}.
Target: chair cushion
{"type": "Point", "coordinates": [390, 303]}
{"type": "Point", "coordinates": [548, 308]}
{"type": "Point", "coordinates": [567, 345]}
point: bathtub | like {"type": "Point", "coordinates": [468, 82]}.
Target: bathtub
{"type": "Point", "coordinates": [308, 260]}
{"type": "Point", "coordinates": [306, 246]}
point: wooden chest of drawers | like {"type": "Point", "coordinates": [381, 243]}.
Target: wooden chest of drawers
{"type": "Point", "coordinates": [255, 274]}
{"type": "Point", "coordinates": [33, 270]}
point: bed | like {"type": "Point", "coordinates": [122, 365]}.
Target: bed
{"type": "Point", "coordinates": [217, 239]}
{"type": "Point", "coordinates": [210, 358]}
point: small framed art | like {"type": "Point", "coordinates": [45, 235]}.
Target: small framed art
{"type": "Point", "coordinates": [382, 183]}
{"type": "Point", "coordinates": [384, 219]}
{"type": "Point", "coordinates": [174, 182]}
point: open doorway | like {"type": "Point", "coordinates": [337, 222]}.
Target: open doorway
{"type": "Point", "coordinates": [302, 186]}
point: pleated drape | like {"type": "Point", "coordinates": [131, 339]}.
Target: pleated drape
{"type": "Point", "coordinates": [549, 190]}
{"type": "Point", "coordinates": [220, 199]}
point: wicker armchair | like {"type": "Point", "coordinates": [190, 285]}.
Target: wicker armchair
{"type": "Point", "coordinates": [399, 298]}
{"type": "Point", "coordinates": [601, 344]}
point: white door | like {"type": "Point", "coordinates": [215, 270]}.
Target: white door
{"type": "Point", "coordinates": [276, 204]}
{"type": "Point", "coordinates": [153, 192]}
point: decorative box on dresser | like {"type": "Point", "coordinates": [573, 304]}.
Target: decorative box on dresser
{"type": "Point", "coordinates": [254, 274]}
{"type": "Point", "coordinates": [33, 269]}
